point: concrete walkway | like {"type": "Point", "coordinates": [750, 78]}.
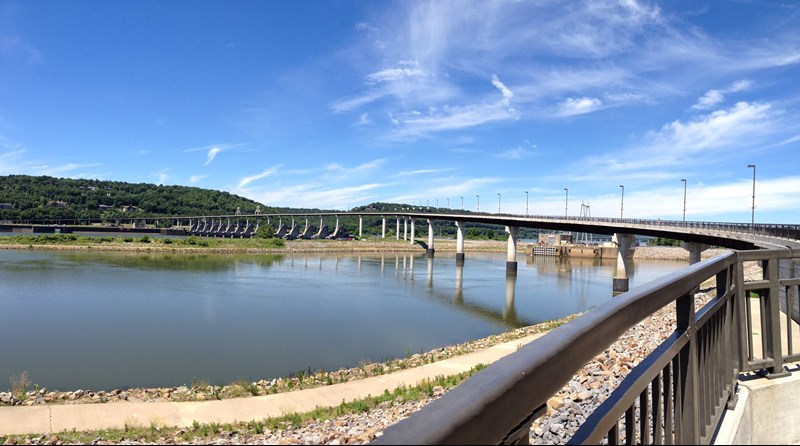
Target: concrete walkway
{"type": "Point", "coordinates": [84, 417]}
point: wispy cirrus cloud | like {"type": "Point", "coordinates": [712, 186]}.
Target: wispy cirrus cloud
{"type": "Point", "coordinates": [215, 149]}
{"type": "Point", "coordinates": [16, 161]}
{"type": "Point", "coordinates": [683, 142]}
{"type": "Point", "coordinates": [265, 173]}
{"type": "Point", "coordinates": [15, 48]}
{"type": "Point", "coordinates": [424, 171]}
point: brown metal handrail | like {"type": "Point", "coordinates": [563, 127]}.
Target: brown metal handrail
{"type": "Point", "coordinates": [676, 395]}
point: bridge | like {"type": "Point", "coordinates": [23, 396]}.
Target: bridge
{"type": "Point", "coordinates": [696, 236]}
{"type": "Point", "coordinates": [681, 393]}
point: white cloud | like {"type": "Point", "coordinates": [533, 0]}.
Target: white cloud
{"type": "Point", "coordinates": [394, 74]}
{"type": "Point", "coordinates": [212, 153]}
{"type": "Point", "coordinates": [579, 106]}
{"type": "Point", "coordinates": [507, 94]}
{"type": "Point", "coordinates": [196, 178]}
{"type": "Point", "coordinates": [16, 48]}
{"type": "Point", "coordinates": [740, 85]}
{"type": "Point", "coordinates": [265, 173]}
{"type": "Point", "coordinates": [714, 97]}
{"type": "Point", "coordinates": [423, 171]}
{"type": "Point", "coordinates": [363, 119]}
{"type": "Point", "coordinates": [316, 195]}
{"type": "Point", "coordinates": [722, 128]}
{"type": "Point", "coordinates": [517, 153]}
{"type": "Point", "coordinates": [709, 100]}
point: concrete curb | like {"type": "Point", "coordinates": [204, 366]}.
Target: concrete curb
{"type": "Point", "coordinates": [85, 417]}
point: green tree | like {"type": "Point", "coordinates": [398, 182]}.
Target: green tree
{"type": "Point", "coordinates": [265, 231]}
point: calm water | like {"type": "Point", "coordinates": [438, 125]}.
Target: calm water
{"type": "Point", "coordinates": [115, 320]}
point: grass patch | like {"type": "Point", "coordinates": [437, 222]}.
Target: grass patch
{"type": "Point", "coordinates": [204, 431]}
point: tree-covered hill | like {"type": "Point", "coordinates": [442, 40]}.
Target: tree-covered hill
{"type": "Point", "coordinates": [25, 197]}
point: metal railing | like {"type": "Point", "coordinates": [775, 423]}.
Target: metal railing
{"type": "Point", "coordinates": [676, 395]}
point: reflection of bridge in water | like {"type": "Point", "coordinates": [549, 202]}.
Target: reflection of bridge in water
{"type": "Point", "coordinates": [406, 267]}
{"type": "Point", "coordinates": [695, 236]}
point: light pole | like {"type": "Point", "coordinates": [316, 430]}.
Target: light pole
{"type": "Point", "coordinates": [753, 213]}
{"type": "Point", "coordinates": [462, 203]}
{"type": "Point", "coordinates": [498, 202]}
{"type": "Point", "coordinates": [622, 202]}
{"type": "Point", "coordinates": [479, 202]}
{"type": "Point", "coordinates": [684, 198]}
{"type": "Point", "coordinates": [448, 202]}
{"type": "Point", "coordinates": [437, 203]}
{"type": "Point", "coordinates": [526, 203]}
{"type": "Point", "coordinates": [566, 202]}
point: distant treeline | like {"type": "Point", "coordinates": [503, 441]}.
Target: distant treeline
{"type": "Point", "coordinates": [24, 197]}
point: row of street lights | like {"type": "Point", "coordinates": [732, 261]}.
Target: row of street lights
{"type": "Point", "coordinates": [621, 204]}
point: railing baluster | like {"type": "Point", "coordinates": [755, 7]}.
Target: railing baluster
{"type": "Point", "coordinates": [613, 434]}
{"type": "Point", "coordinates": [644, 417]}
{"type": "Point", "coordinates": [630, 425]}
{"type": "Point", "coordinates": [658, 411]}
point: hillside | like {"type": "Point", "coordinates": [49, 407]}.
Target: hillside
{"type": "Point", "coordinates": [25, 197]}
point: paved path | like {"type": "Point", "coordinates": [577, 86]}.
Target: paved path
{"type": "Point", "coordinates": [55, 418]}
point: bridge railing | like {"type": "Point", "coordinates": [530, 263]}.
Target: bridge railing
{"type": "Point", "coordinates": [677, 395]}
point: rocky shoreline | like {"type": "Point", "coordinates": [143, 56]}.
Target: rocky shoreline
{"type": "Point", "coordinates": [566, 410]}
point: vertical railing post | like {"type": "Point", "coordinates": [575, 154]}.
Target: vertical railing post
{"type": "Point", "coordinates": [731, 329]}
{"type": "Point", "coordinates": [772, 321]}
{"type": "Point", "coordinates": [687, 386]}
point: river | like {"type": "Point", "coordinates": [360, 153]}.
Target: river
{"type": "Point", "coordinates": [112, 320]}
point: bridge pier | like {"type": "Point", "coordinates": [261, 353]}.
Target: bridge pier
{"type": "Point", "coordinates": [695, 251]}
{"type": "Point", "coordinates": [412, 231]}
{"type": "Point", "coordinates": [511, 258]}
{"type": "Point", "coordinates": [459, 243]}
{"type": "Point", "coordinates": [360, 223]}
{"type": "Point", "coordinates": [431, 250]}
{"type": "Point", "coordinates": [405, 228]}
{"type": "Point", "coordinates": [383, 226]}
{"type": "Point", "coordinates": [624, 243]}
{"type": "Point", "coordinates": [397, 232]}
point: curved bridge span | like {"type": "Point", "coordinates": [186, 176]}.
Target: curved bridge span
{"type": "Point", "coordinates": [740, 236]}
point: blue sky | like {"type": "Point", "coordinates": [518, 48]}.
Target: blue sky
{"type": "Point", "coordinates": [336, 104]}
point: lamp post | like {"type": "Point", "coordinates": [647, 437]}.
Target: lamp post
{"type": "Point", "coordinates": [437, 203]}
{"type": "Point", "coordinates": [684, 198]}
{"type": "Point", "coordinates": [448, 202]}
{"type": "Point", "coordinates": [622, 201]}
{"type": "Point", "coordinates": [526, 203]}
{"type": "Point", "coordinates": [753, 213]}
{"type": "Point", "coordinates": [462, 203]}
{"type": "Point", "coordinates": [566, 202]}
{"type": "Point", "coordinates": [498, 202]}
{"type": "Point", "coordinates": [479, 202]}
